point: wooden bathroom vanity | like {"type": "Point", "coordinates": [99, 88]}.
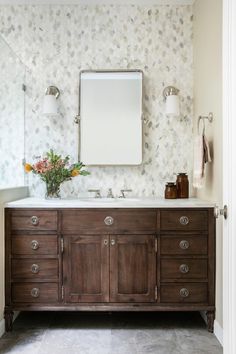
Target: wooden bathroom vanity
{"type": "Point", "coordinates": [117, 257]}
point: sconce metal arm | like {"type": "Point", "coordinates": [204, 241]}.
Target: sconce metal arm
{"type": "Point", "coordinates": [170, 90]}
{"type": "Point", "coordinates": [52, 90]}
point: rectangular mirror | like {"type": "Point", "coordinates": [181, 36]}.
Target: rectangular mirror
{"type": "Point", "coordinates": [111, 117]}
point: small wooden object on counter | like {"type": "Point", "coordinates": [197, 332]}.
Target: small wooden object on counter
{"type": "Point", "coordinates": [170, 191]}
{"type": "Point", "coordinates": [182, 185]}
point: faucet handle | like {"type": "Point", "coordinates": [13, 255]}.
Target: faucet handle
{"type": "Point", "coordinates": [123, 191]}
{"type": "Point", "coordinates": [110, 193]}
{"type": "Point", "coordinates": [97, 191]}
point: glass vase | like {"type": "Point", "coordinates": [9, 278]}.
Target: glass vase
{"type": "Point", "coordinates": [52, 190]}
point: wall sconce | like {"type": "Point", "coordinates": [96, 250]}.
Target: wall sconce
{"type": "Point", "coordinates": [50, 103]}
{"type": "Point", "coordinates": [171, 98]}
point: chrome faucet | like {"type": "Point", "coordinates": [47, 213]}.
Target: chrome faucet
{"type": "Point", "coordinates": [110, 193]}
{"type": "Point", "coordinates": [96, 191]}
{"type": "Point", "coordinates": [123, 191]}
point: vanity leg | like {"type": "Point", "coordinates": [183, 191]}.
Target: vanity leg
{"type": "Point", "coordinates": [8, 316]}
{"type": "Point", "coordinates": [210, 320]}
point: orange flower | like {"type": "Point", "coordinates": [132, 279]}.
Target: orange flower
{"type": "Point", "coordinates": [74, 172]}
{"type": "Point", "coordinates": [28, 168]}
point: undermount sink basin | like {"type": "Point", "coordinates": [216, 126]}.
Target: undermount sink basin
{"type": "Point", "coordinates": [109, 200]}
{"type": "Point", "coordinates": [98, 200]}
{"type": "Point", "coordinates": [131, 199]}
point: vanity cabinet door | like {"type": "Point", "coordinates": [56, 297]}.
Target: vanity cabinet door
{"type": "Point", "coordinates": [132, 268]}
{"type": "Point", "coordinates": [86, 268]}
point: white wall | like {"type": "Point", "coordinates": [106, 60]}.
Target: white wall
{"type": "Point", "coordinates": [208, 98]}
{"type": "Point", "coordinates": [6, 195]}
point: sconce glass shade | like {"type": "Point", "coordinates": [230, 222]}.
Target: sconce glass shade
{"type": "Point", "coordinates": [172, 105]}
{"type": "Point", "coordinates": [50, 105]}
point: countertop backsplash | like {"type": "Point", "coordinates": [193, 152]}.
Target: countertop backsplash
{"type": "Point", "coordinates": [56, 42]}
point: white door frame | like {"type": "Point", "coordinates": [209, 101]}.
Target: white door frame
{"type": "Point", "coordinates": [229, 175]}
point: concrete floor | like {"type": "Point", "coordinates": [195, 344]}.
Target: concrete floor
{"type": "Point", "coordinates": [117, 333]}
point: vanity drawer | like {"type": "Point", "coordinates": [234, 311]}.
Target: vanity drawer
{"type": "Point", "coordinates": [184, 268]}
{"type": "Point", "coordinates": [34, 244]}
{"type": "Point", "coordinates": [35, 292]}
{"type": "Point", "coordinates": [183, 244]}
{"type": "Point", "coordinates": [35, 268]}
{"type": "Point", "coordinates": [34, 220]}
{"type": "Point", "coordinates": [184, 292]}
{"type": "Point", "coordinates": [109, 221]}
{"type": "Point", "coordinates": [184, 220]}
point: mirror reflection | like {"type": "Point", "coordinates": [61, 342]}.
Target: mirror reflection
{"type": "Point", "coordinates": [111, 117]}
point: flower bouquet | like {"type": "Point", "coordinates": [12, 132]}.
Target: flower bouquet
{"type": "Point", "coordinates": [54, 170]}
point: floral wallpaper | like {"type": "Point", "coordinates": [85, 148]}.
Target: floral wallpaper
{"type": "Point", "coordinates": [56, 42]}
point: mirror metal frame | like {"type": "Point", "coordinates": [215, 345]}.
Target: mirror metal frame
{"type": "Point", "coordinates": [77, 118]}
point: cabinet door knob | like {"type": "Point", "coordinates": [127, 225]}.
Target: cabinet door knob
{"type": "Point", "coordinates": [184, 268]}
{"type": "Point", "coordinates": [35, 268]}
{"type": "Point", "coordinates": [34, 220]}
{"type": "Point", "coordinates": [184, 292]}
{"type": "Point", "coordinates": [113, 242]}
{"type": "Point", "coordinates": [184, 244]}
{"type": "Point", "coordinates": [109, 220]}
{"type": "Point", "coordinates": [184, 220]}
{"type": "Point", "coordinates": [105, 242]}
{"type": "Point", "coordinates": [35, 292]}
{"type": "Point", "coordinates": [34, 245]}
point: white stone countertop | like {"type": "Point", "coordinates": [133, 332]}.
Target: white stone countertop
{"type": "Point", "coordinates": [32, 202]}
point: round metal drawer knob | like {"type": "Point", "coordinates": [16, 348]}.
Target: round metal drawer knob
{"type": "Point", "coordinates": [34, 220]}
{"type": "Point", "coordinates": [34, 245]}
{"type": "Point", "coordinates": [184, 292]}
{"type": "Point", "coordinates": [109, 220]}
{"type": "Point", "coordinates": [35, 268]}
{"type": "Point", "coordinates": [184, 220]}
{"type": "Point", "coordinates": [35, 292]}
{"type": "Point", "coordinates": [184, 268]}
{"type": "Point", "coordinates": [184, 245]}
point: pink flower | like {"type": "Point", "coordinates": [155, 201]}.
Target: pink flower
{"type": "Point", "coordinates": [42, 166]}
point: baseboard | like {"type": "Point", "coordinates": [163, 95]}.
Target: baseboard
{"type": "Point", "coordinates": [204, 316]}
{"type": "Point", "coordinates": [16, 314]}
{"type": "Point", "coordinates": [2, 323]}
{"type": "Point", "coordinates": [218, 332]}
{"type": "Point", "coordinates": [2, 327]}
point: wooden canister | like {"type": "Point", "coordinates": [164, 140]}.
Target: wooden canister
{"type": "Point", "coordinates": [182, 185]}
{"type": "Point", "coordinates": [170, 191]}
